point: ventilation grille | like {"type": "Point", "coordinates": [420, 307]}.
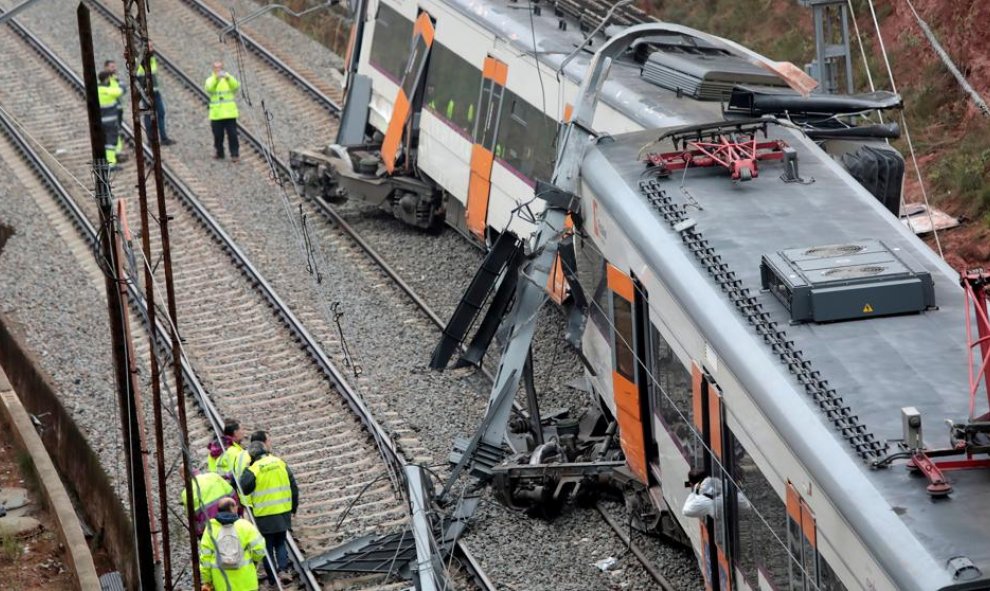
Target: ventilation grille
{"type": "Point", "coordinates": [853, 272]}
{"type": "Point", "coordinates": [834, 251]}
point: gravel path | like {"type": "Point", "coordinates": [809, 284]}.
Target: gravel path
{"type": "Point", "coordinates": [387, 337]}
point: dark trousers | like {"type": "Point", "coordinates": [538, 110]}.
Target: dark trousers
{"type": "Point", "coordinates": [230, 127]}
{"type": "Point", "coordinates": [275, 546]}
{"type": "Point", "coordinates": [160, 112]}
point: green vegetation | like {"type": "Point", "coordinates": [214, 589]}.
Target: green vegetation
{"type": "Point", "coordinates": [953, 147]}
{"type": "Point", "coordinates": [331, 28]}
{"type": "Point", "coordinates": [31, 480]}
{"type": "Point", "coordinates": [10, 548]}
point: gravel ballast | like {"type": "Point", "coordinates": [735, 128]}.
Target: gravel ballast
{"type": "Point", "coordinates": [386, 336]}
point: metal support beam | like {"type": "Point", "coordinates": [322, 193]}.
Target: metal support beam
{"type": "Point", "coordinates": [13, 11]}
{"type": "Point", "coordinates": [576, 136]}
{"type": "Point", "coordinates": [831, 25]}
{"type": "Point", "coordinates": [429, 568]}
{"type": "Point", "coordinates": [137, 52]}
{"type": "Point", "coordinates": [117, 308]}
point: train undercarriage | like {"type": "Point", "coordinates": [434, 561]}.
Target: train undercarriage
{"type": "Point", "coordinates": [576, 461]}
{"type": "Point", "coordinates": [338, 173]}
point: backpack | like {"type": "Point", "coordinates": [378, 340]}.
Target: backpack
{"type": "Point", "coordinates": [229, 551]}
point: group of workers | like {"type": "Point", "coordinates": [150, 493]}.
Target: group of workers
{"type": "Point", "coordinates": [231, 546]}
{"type": "Point", "coordinates": [220, 86]}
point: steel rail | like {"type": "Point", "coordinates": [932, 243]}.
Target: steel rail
{"type": "Point", "coordinates": [468, 559]}
{"type": "Point", "coordinates": [637, 552]}
{"type": "Point", "coordinates": [384, 442]}
{"type": "Point", "coordinates": [325, 208]}
{"type": "Point", "coordinates": [389, 450]}
{"type": "Point", "coordinates": [324, 100]}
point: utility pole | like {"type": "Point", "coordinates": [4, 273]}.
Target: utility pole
{"type": "Point", "coordinates": [832, 55]}
{"type": "Point", "coordinates": [137, 51]}
{"type": "Point", "coordinates": [116, 307]}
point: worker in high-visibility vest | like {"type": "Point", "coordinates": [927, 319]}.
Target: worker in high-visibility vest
{"type": "Point", "coordinates": [221, 87]}
{"type": "Point", "coordinates": [227, 457]}
{"type": "Point", "coordinates": [229, 551]}
{"type": "Point", "coordinates": [208, 488]}
{"type": "Point", "coordinates": [274, 499]}
{"type": "Point", "coordinates": [156, 96]}
{"type": "Point", "coordinates": [108, 95]}
{"type": "Point", "coordinates": [111, 66]}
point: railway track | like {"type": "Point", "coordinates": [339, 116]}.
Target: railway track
{"type": "Point", "coordinates": [283, 67]}
{"type": "Point", "coordinates": [257, 46]}
{"type": "Point", "coordinates": [311, 103]}
{"type": "Point", "coordinates": [251, 363]}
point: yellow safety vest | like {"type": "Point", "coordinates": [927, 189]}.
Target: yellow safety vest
{"type": "Point", "coordinates": [244, 576]}
{"type": "Point", "coordinates": [208, 489]}
{"type": "Point", "coordinates": [115, 83]}
{"type": "Point", "coordinates": [272, 494]}
{"type": "Point", "coordinates": [108, 96]}
{"type": "Point", "coordinates": [221, 91]}
{"type": "Point", "coordinates": [230, 464]}
{"type": "Point", "coordinates": [154, 74]}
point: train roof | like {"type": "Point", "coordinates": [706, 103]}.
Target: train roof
{"type": "Point", "coordinates": [625, 90]}
{"type": "Point", "coordinates": [878, 365]}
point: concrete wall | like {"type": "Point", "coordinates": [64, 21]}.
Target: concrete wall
{"type": "Point", "coordinates": [70, 533]}
{"type": "Point", "coordinates": [79, 465]}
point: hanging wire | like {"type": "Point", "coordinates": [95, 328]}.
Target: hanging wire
{"type": "Point", "coordinates": [173, 401]}
{"type": "Point", "coordinates": [315, 258]}
{"type": "Point", "coordinates": [607, 317]}
{"type": "Point", "coordinates": [907, 134]}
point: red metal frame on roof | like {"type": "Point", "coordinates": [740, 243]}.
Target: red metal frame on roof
{"type": "Point", "coordinates": [975, 284]}
{"type": "Point", "coordinates": [739, 155]}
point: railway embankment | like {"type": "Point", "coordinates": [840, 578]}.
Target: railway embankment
{"type": "Point", "coordinates": [61, 449]}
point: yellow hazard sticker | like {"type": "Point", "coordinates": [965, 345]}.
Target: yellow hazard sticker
{"type": "Point", "coordinates": [867, 309]}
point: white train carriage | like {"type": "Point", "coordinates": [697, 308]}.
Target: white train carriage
{"type": "Point", "coordinates": [466, 97]}
{"type": "Point", "coordinates": [706, 363]}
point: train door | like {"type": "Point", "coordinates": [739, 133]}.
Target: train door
{"type": "Point", "coordinates": [716, 533]}
{"type": "Point", "coordinates": [412, 78]}
{"type": "Point", "coordinates": [629, 381]}
{"type": "Point", "coordinates": [802, 544]}
{"type": "Point", "coordinates": [483, 152]}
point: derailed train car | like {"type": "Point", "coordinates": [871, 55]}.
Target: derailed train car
{"type": "Point", "coordinates": [450, 118]}
{"type": "Point", "coordinates": [755, 309]}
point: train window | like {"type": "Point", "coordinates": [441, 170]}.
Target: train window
{"type": "Point", "coordinates": [808, 569]}
{"type": "Point", "coordinates": [622, 318]}
{"type": "Point", "coordinates": [591, 274]}
{"type": "Point", "coordinates": [828, 580]}
{"type": "Point", "coordinates": [452, 88]}
{"type": "Point", "coordinates": [392, 42]}
{"type": "Point", "coordinates": [526, 138]}
{"type": "Point", "coordinates": [671, 392]}
{"type": "Point", "coordinates": [412, 73]}
{"type": "Point", "coordinates": [756, 549]}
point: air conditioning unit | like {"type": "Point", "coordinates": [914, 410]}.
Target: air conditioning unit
{"type": "Point", "coordinates": [847, 281]}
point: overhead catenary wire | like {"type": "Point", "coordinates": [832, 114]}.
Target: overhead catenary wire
{"type": "Point", "coordinates": [907, 132]}
{"type": "Point", "coordinates": [655, 381]}
{"type": "Point", "coordinates": [947, 60]}
{"type": "Point", "coordinates": [321, 287]}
